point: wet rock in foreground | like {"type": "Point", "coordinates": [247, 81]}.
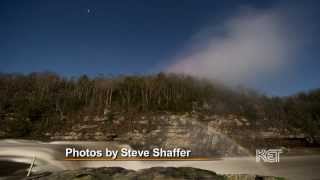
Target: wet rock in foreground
{"type": "Point", "coordinates": [154, 173]}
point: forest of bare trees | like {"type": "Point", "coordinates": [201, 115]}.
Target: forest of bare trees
{"type": "Point", "coordinates": [38, 100]}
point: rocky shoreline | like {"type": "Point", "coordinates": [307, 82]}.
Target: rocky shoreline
{"type": "Point", "coordinates": [154, 173]}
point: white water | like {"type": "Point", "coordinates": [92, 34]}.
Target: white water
{"type": "Point", "coordinates": [49, 156]}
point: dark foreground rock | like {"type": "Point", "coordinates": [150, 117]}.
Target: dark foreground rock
{"type": "Point", "coordinates": [154, 173]}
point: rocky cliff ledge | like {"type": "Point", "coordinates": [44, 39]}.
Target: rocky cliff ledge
{"type": "Point", "coordinates": [204, 134]}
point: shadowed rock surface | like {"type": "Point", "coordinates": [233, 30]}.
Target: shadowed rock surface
{"type": "Point", "coordinates": [154, 173]}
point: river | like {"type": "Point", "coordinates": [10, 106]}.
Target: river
{"type": "Point", "coordinates": [49, 157]}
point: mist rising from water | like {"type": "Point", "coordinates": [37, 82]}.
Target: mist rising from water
{"type": "Point", "coordinates": [250, 45]}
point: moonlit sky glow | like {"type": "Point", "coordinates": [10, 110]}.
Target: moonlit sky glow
{"type": "Point", "coordinates": [271, 46]}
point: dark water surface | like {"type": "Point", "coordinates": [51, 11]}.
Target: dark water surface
{"type": "Point", "coordinates": [9, 167]}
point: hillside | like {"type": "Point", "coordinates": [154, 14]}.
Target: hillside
{"type": "Point", "coordinates": [46, 106]}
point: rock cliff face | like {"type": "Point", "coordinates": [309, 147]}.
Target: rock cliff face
{"type": "Point", "coordinates": [203, 135]}
{"type": "Point", "coordinates": [154, 173]}
{"type": "Point", "coordinates": [185, 131]}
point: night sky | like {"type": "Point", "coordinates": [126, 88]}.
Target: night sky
{"type": "Point", "coordinates": [74, 37]}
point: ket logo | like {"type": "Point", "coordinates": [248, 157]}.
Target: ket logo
{"type": "Point", "coordinates": [268, 155]}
